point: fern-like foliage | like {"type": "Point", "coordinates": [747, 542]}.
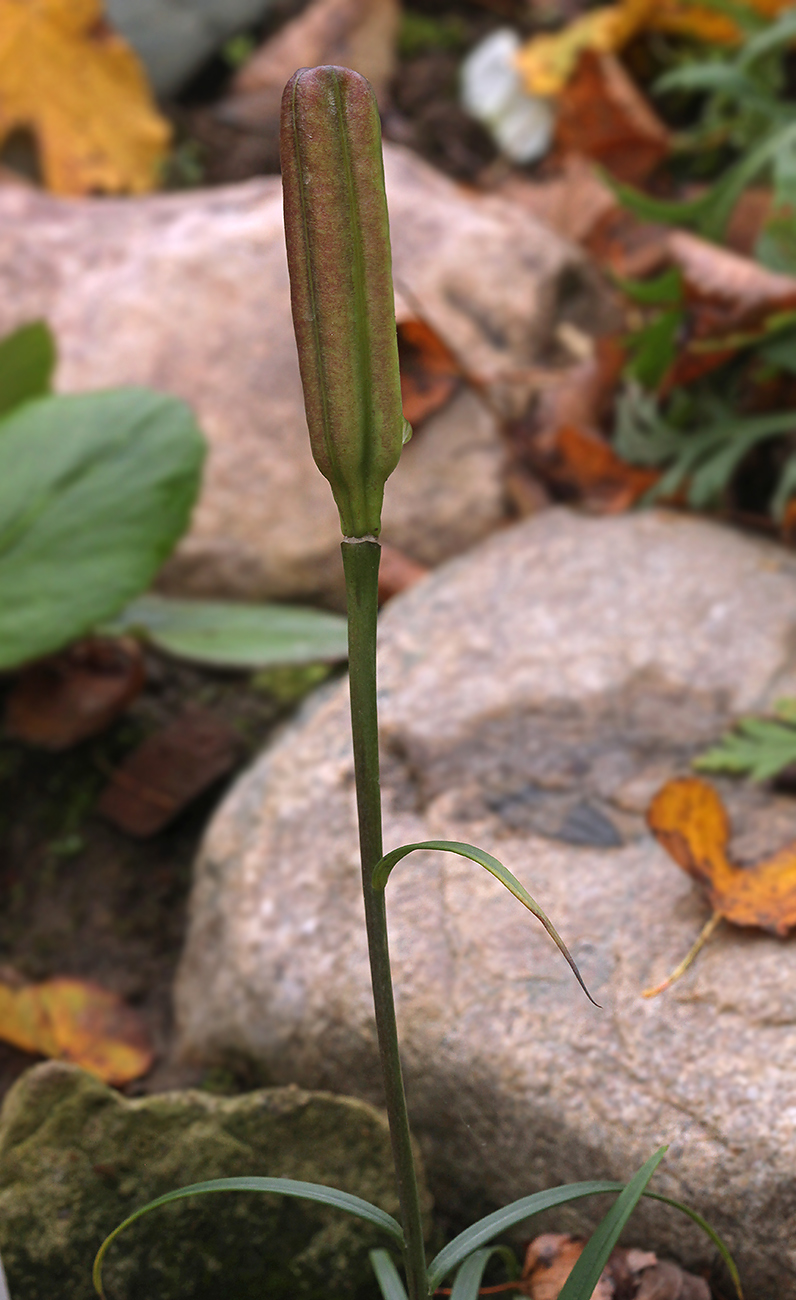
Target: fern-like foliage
{"type": "Point", "coordinates": [699, 444]}
{"type": "Point", "coordinates": [759, 748]}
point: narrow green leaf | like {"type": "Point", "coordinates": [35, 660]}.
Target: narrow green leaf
{"type": "Point", "coordinates": [468, 1279]}
{"type": "Point", "coordinates": [478, 1234]}
{"type": "Point", "coordinates": [774, 36]}
{"type": "Point", "coordinates": [510, 1215]}
{"type": "Point", "coordinates": [280, 1186]}
{"type": "Point", "coordinates": [381, 874]}
{"type": "Point", "coordinates": [233, 635]}
{"type": "Point", "coordinates": [27, 361]}
{"type": "Point", "coordinates": [387, 1276]}
{"type": "Point", "coordinates": [95, 491]}
{"type": "Point", "coordinates": [586, 1274]}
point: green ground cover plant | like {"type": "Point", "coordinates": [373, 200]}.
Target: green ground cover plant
{"type": "Point", "coordinates": [701, 433]}
{"type": "Point", "coordinates": [96, 490]}
{"type": "Point", "coordinates": [340, 269]}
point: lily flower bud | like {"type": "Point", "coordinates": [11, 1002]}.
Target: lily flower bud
{"type": "Point", "coordinates": [338, 247]}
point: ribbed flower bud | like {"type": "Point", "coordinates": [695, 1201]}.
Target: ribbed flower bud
{"type": "Point", "coordinates": [338, 247]}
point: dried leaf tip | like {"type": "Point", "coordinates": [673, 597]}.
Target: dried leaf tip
{"type": "Point", "coordinates": [338, 247]}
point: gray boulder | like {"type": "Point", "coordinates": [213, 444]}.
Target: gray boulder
{"type": "Point", "coordinates": [189, 294]}
{"type": "Point", "coordinates": [173, 38]}
{"type": "Point", "coordinates": [534, 695]}
{"type": "Point", "coordinates": [76, 1158]}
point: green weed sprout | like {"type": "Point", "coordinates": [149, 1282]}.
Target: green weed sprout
{"type": "Point", "coordinates": [340, 269]}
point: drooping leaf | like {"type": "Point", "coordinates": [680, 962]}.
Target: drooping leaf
{"type": "Point", "coordinates": [381, 874]}
{"type": "Point", "coordinates": [72, 1020]}
{"type": "Point", "coordinates": [232, 635]}
{"type": "Point", "coordinates": [586, 1274]}
{"type": "Point", "coordinates": [94, 493]}
{"type": "Point", "coordinates": [387, 1276]}
{"type": "Point", "coordinates": [274, 1186]}
{"type": "Point", "coordinates": [68, 79]}
{"type": "Point", "coordinates": [688, 819]}
{"type": "Point", "coordinates": [27, 361]}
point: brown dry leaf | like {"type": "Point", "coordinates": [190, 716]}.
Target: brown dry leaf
{"type": "Point", "coordinates": [629, 1274]}
{"type": "Point", "coordinates": [549, 1260]}
{"type": "Point", "coordinates": [604, 116]}
{"type": "Point", "coordinates": [560, 440]}
{"type": "Point", "coordinates": [572, 204]}
{"type": "Point", "coordinates": [72, 82]}
{"type": "Point", "coordinates": [687, 817]}
{"type": "Point", "coordinates": [727, 293]}
{"type": "Point", "coordinates": [73, 1020]}
{"type": "Point", "coordinates": [430, 374]}
{"type": "Point", "coordinates": [358, 34]}
{"type": "Point", "coordinates": [397, 572]}
{"type": "Point", "coordinates": [60, 701]}
{"type": "Point", "coordinates": [167, 771]}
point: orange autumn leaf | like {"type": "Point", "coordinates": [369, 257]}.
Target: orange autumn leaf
{"type": "Point", "coordinates": [689, 820]}
{"type": "Point", "coordinates": [546, 62]}
{"type": "Point", "coordinates": [81, 92]}
{"type": "Point", "coordinates": [72, 1020]}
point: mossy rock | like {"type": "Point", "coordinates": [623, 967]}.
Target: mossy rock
{"type": "Point", "coordinates": [76, 1158]}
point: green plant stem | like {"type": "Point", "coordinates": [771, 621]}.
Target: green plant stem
{"type": "Point", "coordinates": [361, 565]}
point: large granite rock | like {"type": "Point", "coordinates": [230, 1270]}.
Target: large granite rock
{"type": "Point", "coordinates": [76, 1159]}
{"type": "Point", "coordinates": [173, 38]}
{"type": "Point", "coordinates": [189, 293]}
{"type": "Point", "coordinates": [534, 694]}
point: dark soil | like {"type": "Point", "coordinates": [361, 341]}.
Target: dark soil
{"type": "Point", "coordinates": [82, 898]}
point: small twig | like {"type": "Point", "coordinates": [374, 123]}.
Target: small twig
{"type": "Point", "coordinates": [705, 934]}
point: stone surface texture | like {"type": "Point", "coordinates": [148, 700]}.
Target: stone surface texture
{"type": "Point", "coordinates": [76, 1158]}
{"type": "Point", "coordinates": [534, 695]}
{"type": "Point", "coordinates": [173, 38]}
{"type": "Point", "coordinates": [189, 294]}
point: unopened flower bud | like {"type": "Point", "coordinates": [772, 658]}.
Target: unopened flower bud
{"type": "Point", "coordinates": [338, 247]}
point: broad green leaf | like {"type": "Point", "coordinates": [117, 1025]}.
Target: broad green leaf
{"type": "Point", "coordinates": [27, 361]}
{"type": "Point", "coordinates": [586, 1274]}
{"type": "Point", "coordinates": [95, 491]}
{"type": "Point", "coordinates": [233, 635]}
{"type": "Point", "coordinates": [387, 1276]}
{"type": "Point", "coordinates": [280, 1186]}
{"type": "Point", "coordinates": [381, 874]}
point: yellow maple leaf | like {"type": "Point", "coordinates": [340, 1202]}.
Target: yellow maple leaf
{"type": "Point", "coordinates": [546, 63]}
{"type": "Point", "coordinates": [81, 92]}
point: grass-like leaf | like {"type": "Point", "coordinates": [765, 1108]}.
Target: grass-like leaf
{"type": "Point", "coordinates": [759, 748]}
{"type": "Point", "coordinates": [468, 1279]}
{"type": "Point", "coordinates": [586, 1274]}
{"type": "Point", "coordinates": [387, 1276]}
{"type": "Point", "coordinates": [510, 1215]}
{"type": "Point", "coordinates": [279, 1186]}
{"type": "Point", "coordinates": [231, 635]}
{"type": "Point", "coordinates": [381, 874]}
{"type": "Point", "coordinates": [492, 1225]}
